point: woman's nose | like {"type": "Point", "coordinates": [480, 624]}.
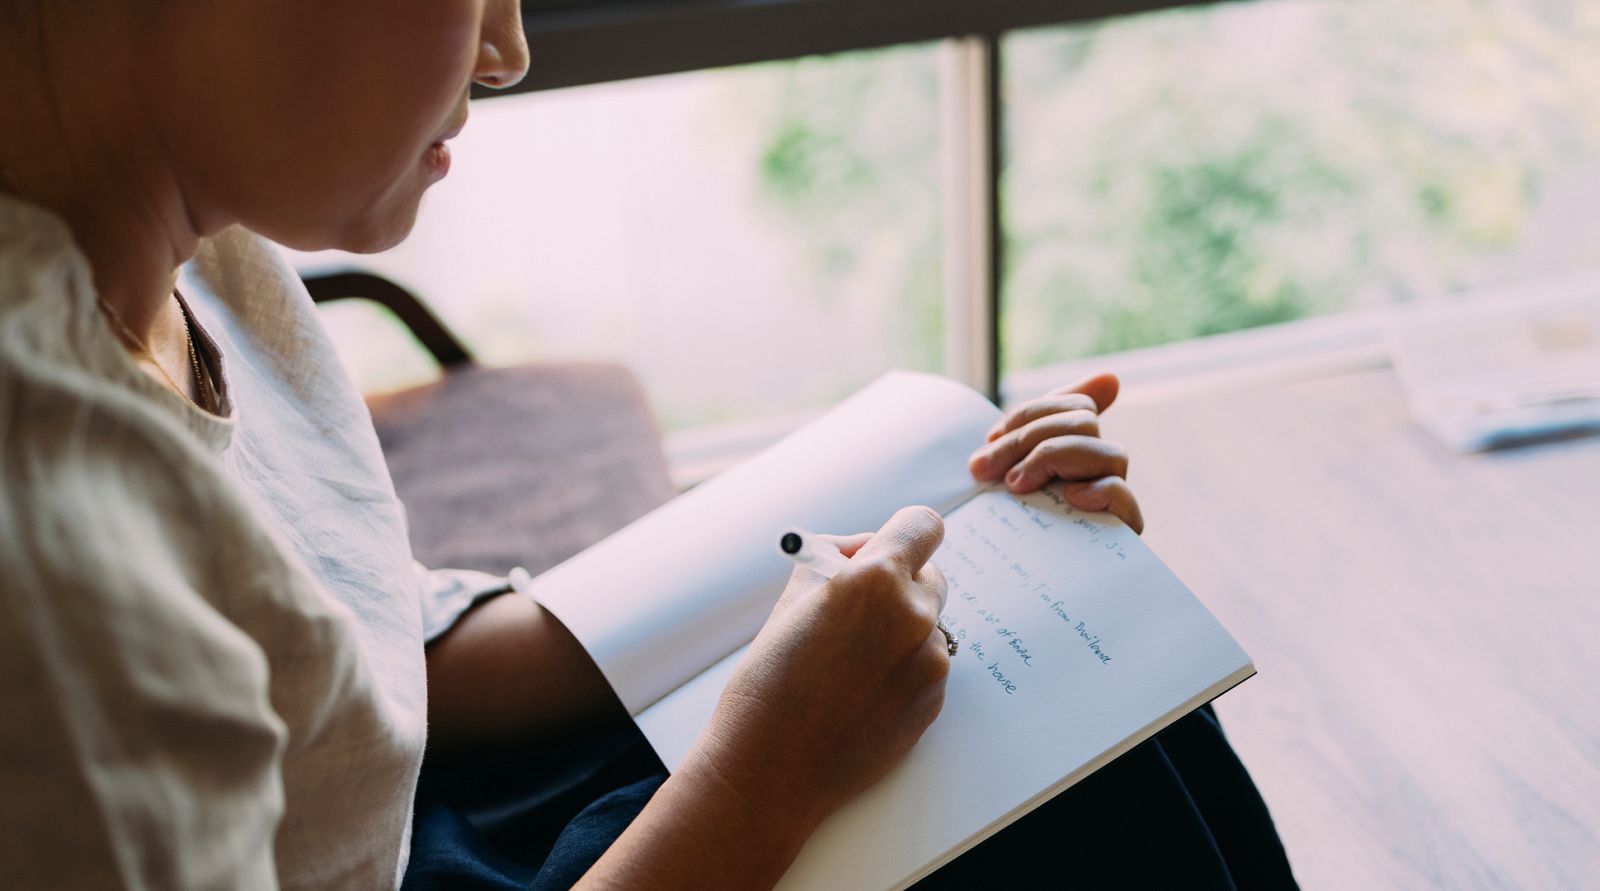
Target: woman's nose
{"type": "Point", "coordinates": [503, 48]}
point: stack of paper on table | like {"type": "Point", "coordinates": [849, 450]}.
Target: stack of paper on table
{"type": "Point", "coordinates": [1503, 366]}
{"type": "Point", "coordinates": [1077, 643]}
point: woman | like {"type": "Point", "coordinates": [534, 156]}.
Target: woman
{"type": "Point", "coordinates": [213, 647]}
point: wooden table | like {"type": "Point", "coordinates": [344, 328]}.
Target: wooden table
{"type": "Point", "coordinates": [1426, 626]}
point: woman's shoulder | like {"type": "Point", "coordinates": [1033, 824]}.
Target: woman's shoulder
{"type": "Point", "coordinates": [98, 489]}
{"type": "Point", "coordinates": [33, 242]}
{"type": "Point", "coordinates": [107, 498]}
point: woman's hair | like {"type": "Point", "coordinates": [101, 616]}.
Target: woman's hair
{"type": "Point", "coordinates": [25, 62]}
{"type": "Point", "coordinates": [20, 16]}
{"type": "Point", "coordinates": [22, 39]}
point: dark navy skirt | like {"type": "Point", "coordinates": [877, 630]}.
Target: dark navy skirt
{"type": "Point", "coordinates": [1179, 811]}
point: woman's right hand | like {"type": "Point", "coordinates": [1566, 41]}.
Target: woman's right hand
{"type": "Point", "coordinates": [843, 679]}
{"type": "Point", "coordinates": [836, 688]}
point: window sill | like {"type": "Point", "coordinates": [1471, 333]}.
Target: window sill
{"type": "Point", "coordinates": [1240, 360]}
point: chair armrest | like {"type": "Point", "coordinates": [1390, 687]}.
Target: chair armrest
{"type": "Point", "coordinates": [445, 348]}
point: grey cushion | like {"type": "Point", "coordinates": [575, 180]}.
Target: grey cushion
{"type": "Point", "coordinates": [527, 465]}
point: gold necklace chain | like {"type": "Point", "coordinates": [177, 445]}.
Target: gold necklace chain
{"type": "Point", "coordinates": [194, 357]}
{"type": "Point", "coordinates": [10, 185]}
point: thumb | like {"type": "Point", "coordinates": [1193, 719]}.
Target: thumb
{"type": "Point", "coordinates": [907, 540]}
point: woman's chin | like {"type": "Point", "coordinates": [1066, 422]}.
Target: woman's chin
{"type": "Point", "coordinates": [382, 237]}
{"type": "Point", "coordinates": [369, 234]}
{"type": "Point", "coordinates": [388, 222]}
{"type": "Point", "coordinates": [357, 220]}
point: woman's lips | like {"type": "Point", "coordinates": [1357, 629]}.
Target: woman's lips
{"type": "Point", "coordinates": [438, 154]}
{"type": "Point", "coordinates": [438, 158]}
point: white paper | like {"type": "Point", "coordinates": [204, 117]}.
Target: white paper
{"type": "Point", "coordinates": [681, 588]}
{"type": "Point", "coordinates": [1076, 641]}
{"type": "Point", "coordinates": [675, 722]}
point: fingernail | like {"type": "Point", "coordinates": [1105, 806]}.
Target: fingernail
{"type": "Point", "coordinates": [979, 462]}
{"type": "Point", "coordinates": [1014, 476]}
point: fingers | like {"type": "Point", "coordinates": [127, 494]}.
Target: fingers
{"type": "Point", "coordinates": [1058, 436]}
{"type": "Point", "coordinates": [804, 580]}
{"type": "Point", "coordinates": [1110, 494]}
{"type": "Point", "coordinates": [1094, 393]}
{"type": "Point", "coordinates": [991, 461]}
{"type": "Point", "coordinates": [938, 661]}
{"type": "Point", "coordinates": [1035, 409]}
{"type": "Point", "coordinates": [929, 577]}
{"type": "Point", "coordinates": [897, 555]}
{"type": "Point", "coordinates": [1102, 387]}
{"type": "Point", "coordinates": [932, 580]}
{"type": "Point", "coordinates": [848, 544]}
{"type": "Point", "coordinates": [1071, 458]}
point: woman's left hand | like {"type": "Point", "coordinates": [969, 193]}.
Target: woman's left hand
{"type": "Point", "coordinates": [1058, 436]}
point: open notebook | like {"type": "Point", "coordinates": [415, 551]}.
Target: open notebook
{"type": "Point", "coordinates": [1077, 643]}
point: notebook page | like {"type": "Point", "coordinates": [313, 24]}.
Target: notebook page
{"type": "Point", "coordinates": [683, 587]}
{"type": "Point", "coordinates": [1076, 643]}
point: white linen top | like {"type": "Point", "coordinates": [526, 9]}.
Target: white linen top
{"type": "Point", "coordinates": [211, 628]}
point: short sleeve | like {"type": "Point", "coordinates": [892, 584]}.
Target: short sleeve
{"type": "Point", "coordinates": [448, 593]}
{"type": "Point", "coordinates": [211, 672]}
{"type": "Point", "coordinates": [138, 746]}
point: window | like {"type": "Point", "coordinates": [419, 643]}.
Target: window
{"type": "Point", "coordinates": [751, 242]}
{"type": "Point", "coordinates": [757, 242]}
{"type": "Point", "coordinates": [1210, 169]}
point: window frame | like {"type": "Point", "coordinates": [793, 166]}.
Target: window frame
{"type": "Point", "coordinates": [576, 43]}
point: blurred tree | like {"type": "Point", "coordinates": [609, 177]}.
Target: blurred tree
{"type": "Point", "coordinates": [1204, 170]}
{"type": "Point", "coordinates": [852, 160]}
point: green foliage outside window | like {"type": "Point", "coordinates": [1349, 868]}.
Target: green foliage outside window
{"type": "Point", "coordinates": [1206, 170]}
{"type": "Point", "coordinates": [853, 158]}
